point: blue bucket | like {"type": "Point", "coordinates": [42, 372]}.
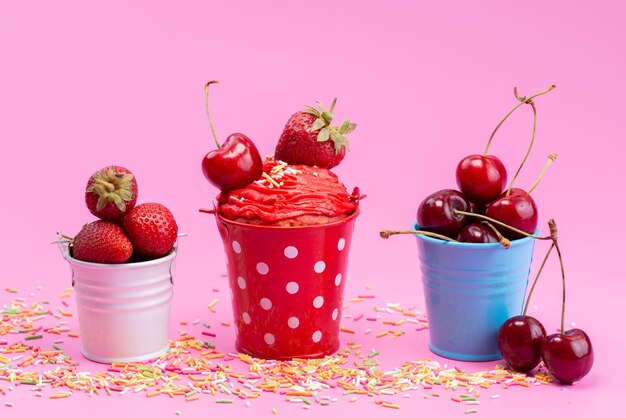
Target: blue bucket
{"type": "Point", "coordinates": [470, 290]}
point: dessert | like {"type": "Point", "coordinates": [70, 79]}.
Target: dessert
{"type": "Point", "coordinates": [286, 235]}
{"type": "Point", "coordinates": [289, 195]}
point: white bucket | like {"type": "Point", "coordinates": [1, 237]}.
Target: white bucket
{"type": "Point", "coordinates": [123, 309]}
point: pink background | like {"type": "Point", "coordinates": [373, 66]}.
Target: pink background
{"type": "Point", "coordinates": [86, 84]}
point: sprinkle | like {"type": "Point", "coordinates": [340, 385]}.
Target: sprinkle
{"type": "Point", "coordinates": [33, 337]}
{"type": "Point", "coordinates": [9, 404]}
{"type": "Point", "coordinates": [471, 411]}
{"type": "Point", "coordinates": [223, 401]}
{"type": "Point", "coordinates": [390, 405]}
{"type": "Point", "coordinates": [213, 303]}
{"type": "Point", "coordinates": [274, 411]}
{"type": "Point", "coordinates": [271, 180]}
{"type": "Point", "coordinates": [349, 331]}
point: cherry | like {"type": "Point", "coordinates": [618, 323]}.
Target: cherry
{"type": "Point", "coordinates": [234, 164]}
{"type": "Point", "coordinates": [477, 233]}
{"type": "Point", "coordinates": [568, 355]}
{"type": "Point", "coordinates": [517, 209]}
{"type": "Point", "coordinates": [519, 340]}
{"type": "Point", "coordinates": [436, 212]}
{"type": "Point", "coordinates": [481, 178]}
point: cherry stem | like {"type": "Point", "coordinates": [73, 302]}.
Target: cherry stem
{"type": "Point", "coordinates": [554, 236]}
{"type": "Point", "coordinates": [387, 233]}
{"type": "Point", "coordinates": [502, 240]}
{"type": "Point", "coordinates": [487, 218]}
{"type": "Point", "coordinates": [209, 211]}
{"type": "Point", "coordinates": [522, 100]}
{"type": "Point", "coordinates": [532, 288]}
{"type": "Point", "coordinates": [206, 105]}
{"type": "Point", "coordinates": [551, 158]}
{"type": "Point", "coordinates": [530, 147]}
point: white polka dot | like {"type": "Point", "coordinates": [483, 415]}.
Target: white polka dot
{"type": "Point", "coordinates": [269, 338]}
{"type": "Point", "coordinates": [319, 267]}
{"type": "Point", "coordinates": [317, 336]}
{"type": "Point", "coordinates": [262, 268]}
{"type": "Point", "coordinates": [291, 252]}
{"type": "Point", "coordinates": [246, 317]}
{"type": "Point", "coordinates": [292, 288]}
{"type": "Point", "coordinates": [335, 313]}
{"type": "Point", "coordinates": [266, 304]}
{"type": "Point", "coordinates": [338, 279]}
{"type": "Point", "coordinates": [236, 247]}
{"type": "Point", "coordinates": [293, 322]}
{"type": "Point", "coordinates": [341, 244]}
{"type": "Point", "coordinates": [318, 302]}
{"type": "Point", "coordinates": [241, 282]}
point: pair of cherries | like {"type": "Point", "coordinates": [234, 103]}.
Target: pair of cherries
{"type": "Point", "coordinates": [523, 343]}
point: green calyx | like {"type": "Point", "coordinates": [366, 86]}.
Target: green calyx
{"type": "Point", "coordinates": [325, 132]}
{"type": "Point", "coordinates": [112, 187]}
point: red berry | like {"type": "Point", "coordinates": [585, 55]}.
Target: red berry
{"type": "Point", "coordinates": [102, 242]}
{"type": "Point", "coordinates": [152, 229]}
{"type": "Point", "coordinates": [481, 178]}
{"type": "Point", "coordinates": [309, 139]}
{"type": "Point", "coordinates": [111, 192]}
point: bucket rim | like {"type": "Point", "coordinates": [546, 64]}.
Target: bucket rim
{"type": "Point", "coordinates": [472, 245]}
{"type": "Point", "coordinates": [134, 265]}
{"type": "Point", "coordinates": [341, 222]}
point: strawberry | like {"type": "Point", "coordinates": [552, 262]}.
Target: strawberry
{"type": "Point", "coordinates": [152, 229]}
{"type": "Point", "coordinates": [102, 242]}
{"type": "Point", "coordinates": [111, 192]}
{"type": "Point", "coordinates": [308, 138]}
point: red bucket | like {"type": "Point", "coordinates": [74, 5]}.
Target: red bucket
{"type": "Point", "coordinates": [287, 286]}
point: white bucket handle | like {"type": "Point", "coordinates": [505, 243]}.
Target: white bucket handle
{"type": "Point", "coordinates": [64, 247]}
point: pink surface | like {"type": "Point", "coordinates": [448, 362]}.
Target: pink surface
{"type": "Point", "coordinates": [85, 85]}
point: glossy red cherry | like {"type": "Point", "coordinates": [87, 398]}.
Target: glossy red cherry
{"type": "Point", "coordinates": [234, 164]}
{"type": "Point", "coordinates": [568, 356]}
{"type": "Point", "coordinates": [519, 340]}
{"type": "Point", "coordinates": [481, 178]}
{"type": "Point", "coordinates": [518, 210]}
{"type": "Point", "coordinates": [435, 213]}
{"type": "Point", "coordinates": [477, 233]}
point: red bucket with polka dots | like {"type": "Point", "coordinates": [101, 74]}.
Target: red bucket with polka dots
{"type": "Point", "coordinates": [287, 286]}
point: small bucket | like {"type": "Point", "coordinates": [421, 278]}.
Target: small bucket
{"type": "Point", "coordinates": [123, 309]}
{"type": "Point", "coordinates": [287, 286]}
{"type": "Point", "coordinates": [470, 290]}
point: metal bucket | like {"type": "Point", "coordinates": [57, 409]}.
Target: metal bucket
{"type": "Point", "coordinates": [470, 290]}
{"type": "Point", "coordinates": [287, 286]}
{"type": "Point", "coordinates": [123, 309]}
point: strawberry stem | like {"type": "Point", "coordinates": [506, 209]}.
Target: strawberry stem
{"type": "Point", "coordinates": [522, 100]}
{"type": "Point", "coordinates": [208, 114]}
